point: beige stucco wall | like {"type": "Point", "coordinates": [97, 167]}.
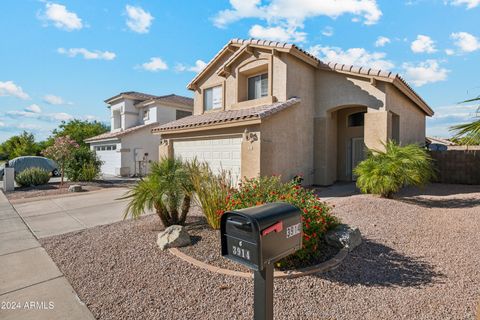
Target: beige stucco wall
{"type": "Point", "coordinates": [412, 119]}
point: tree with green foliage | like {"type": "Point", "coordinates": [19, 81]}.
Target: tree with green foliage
{"type": "Point", "coordinates": [166, 189]}
{"type": "Point", "coordinates": [20, 145]}
{"type": "Point", "coordinates": [61, 151]}
{"type": "Point", "coordinates": [84, 165]}
{"type": "Point", "coordinates": [468, 133]}
{"type": "Point", "coordinates": [78, 130]}
{"type": "Point", "coordinates": [386, 172]}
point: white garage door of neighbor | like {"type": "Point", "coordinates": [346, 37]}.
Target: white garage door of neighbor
{"type": "Point", "coordinates": [111, 160]}
{"type": "Point", "coordinates": [220, 154]}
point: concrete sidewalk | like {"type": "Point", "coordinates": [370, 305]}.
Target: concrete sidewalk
{"type": "Point", "coordinates": [31, 285]}
{"type": "Point", "coordinates": [53, 216]}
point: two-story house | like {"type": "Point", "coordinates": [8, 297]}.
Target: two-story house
{"type": "Point", "coordinates": [265, 107]}
{"type": "Point", "coordinates": [129, 146]}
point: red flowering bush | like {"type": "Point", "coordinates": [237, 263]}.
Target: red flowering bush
{"type": "Point", "coordinates": [316, 214]}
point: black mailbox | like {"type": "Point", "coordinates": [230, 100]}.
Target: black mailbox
{"type": "Point", "coordinates": [259, 236]}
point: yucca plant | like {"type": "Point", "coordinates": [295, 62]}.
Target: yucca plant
{"type": "Point", "coordinates": [211, 190]}
{"type": "Point", "coordinates": [166, 189]}
{"type": "Point", "coordinates": [386, 172]}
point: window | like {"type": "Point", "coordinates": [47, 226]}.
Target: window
{"type": "Point", "coordinates": [145, 114]}
{"type": "Point", "coordinates": [106, 148]}
{"type": "Point", "coordinates": [356, 119]}
{"type": "Point", "coordinates": [182, 114]}
{"type": "Point", "coordinates": [258, 86]}
{"type": "Point", "coordinates": [212, 98]}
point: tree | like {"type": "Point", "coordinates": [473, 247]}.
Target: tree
{"type": "Point", "coordinates": [78, 130]}
{"type": "Point", "coordinates": [166, 189]}
{"type": "Point", "coordinates": [468, 133]}
{"type": "Point", "coordinates": [20, 145]}
{"type": "Point", "coordinates": [61, 151]}
{"type": "Point", "coordinates": [385, 172]}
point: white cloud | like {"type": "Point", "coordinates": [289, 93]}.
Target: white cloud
{"type": "Point", "coordinates": [469, 3]}
{"type": "Point", "coordinates": [285, 17]}
{"type": "Point", "coordinates": [449, 52]}
{"type": "Point", "coordinates": [54, 100]}
{"type": "Point", "coordinates": [9, 88]}
{"type": "Point", "coordinates": [328, 31]}
{"type": "Point", "coordinates": [423, 44]}
{"type": "Point", "coordinates": [353, 56]}
{"type": "Point", "coordinates": [2, 124]}
{"type": "Point", "coordinates": [199, 66]}
{"type": "Point", "coordinates": [425, 72]}
{"type": "Point", "coordinates": [447, 116]}
{"type": "Point", "coordinates": [61, 17]}
{"type": "Point", "coordinates": [87, 54]}
{"type": "Point", "coordinates": [296, 11]}
{"type": "Point", "coordinates": [465, 41]}
{"type": "Point", "coordinates": [35, 108]}
{"type": "Point", "coordinates": [382, 41]}
{"type": "Point", "coordinates": [278, 33]}
{"type": "Point", "coordinates": [138, 20]}
{"type": "Point", "coordinates": [155, 64]}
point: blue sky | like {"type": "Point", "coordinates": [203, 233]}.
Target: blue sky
{"type": "Point", "coordinates": [61, 59]}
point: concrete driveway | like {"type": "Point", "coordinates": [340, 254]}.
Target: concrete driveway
{"type": "Point", "coordinates": [53, 216]}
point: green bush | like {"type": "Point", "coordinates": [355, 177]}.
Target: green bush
{"type": "Point", "coordinates": [316, 214]}
{"type": "Point", "coordinates": [210, 189]}
{"type": "Point", "coordinates": [84, 165]}
{"type": "Point", "coordinates": [32, 177]}
{"type": "Point", "coordinates": [386, 172]}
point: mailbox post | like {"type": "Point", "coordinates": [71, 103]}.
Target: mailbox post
{"type": "Point", "coordinates": [257, 237]}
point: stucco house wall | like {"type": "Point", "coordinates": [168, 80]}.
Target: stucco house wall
{"type": "Point", "coordinates": [141, 139]}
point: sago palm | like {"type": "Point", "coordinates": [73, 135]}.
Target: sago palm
{"type": "Point", "coordinates": [469, 133]}
{"type": "Point", "coordinates": [166, 189]}
{"type": "Point", "coordinates": [385, 172]}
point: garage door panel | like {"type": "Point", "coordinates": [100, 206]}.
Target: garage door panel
{"type": "Point", "coordinates": [220, 154]}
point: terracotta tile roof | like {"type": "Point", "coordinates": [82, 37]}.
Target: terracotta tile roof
{"type": "Point", "coordinates": [171, 98]}
{"type": "Point", "coordinates": [332, 66]}
{"type": "Point", "coordinates": [117, 134]}
{"type": "Point", "coordinates": [213, 118]}
{"type": "Point", "coordinates": [143, 97]}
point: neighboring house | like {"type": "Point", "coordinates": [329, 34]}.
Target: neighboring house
{"type": "Point", "coordinates": [438, 144]}
{"type": "Point", "coordinates": [264, 108]}
{"type": "Point", "coordinates": [129, 146]}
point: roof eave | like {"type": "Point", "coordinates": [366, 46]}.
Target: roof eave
{"type": "Point", "coordinates": [210, 126]}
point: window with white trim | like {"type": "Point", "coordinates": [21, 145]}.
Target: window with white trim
{"type": "Point", "coordinates": [258, 86]}
{"type": "Point", "coordinates": [212, 98]}
{"type": "Point", "coordinates": [146, 114]}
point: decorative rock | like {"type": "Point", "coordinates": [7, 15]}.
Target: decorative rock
{"type": "Point", "coordinates": [173, 236]}
{"type": "Point", "coordinates": [344, 236]}
{"type": "Point", "coordinates": [75, 188]}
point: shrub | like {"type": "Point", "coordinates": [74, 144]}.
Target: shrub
{"type": "Point", "coordinates": [166, 189]}
{"type": "Point", "coordinates": [83, 165]}
{"type": "Point", "coordinates": [32, 177]}
{"type": "Point", "coordinates": [316, 214]}
{"type": "Point", "coordinates": [210, 189]}
{"type": "Point", "coordinates": [385, 172]}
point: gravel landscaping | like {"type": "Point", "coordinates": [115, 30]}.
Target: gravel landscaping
{"type": "Point", "coordinates": [419, 260]}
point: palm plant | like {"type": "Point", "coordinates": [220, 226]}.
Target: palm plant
{"type": "Point", "coordinates": [468, 133]}
{"type": "Point", "coordinates": [166, 189]}
{"type": "Point", "coordinates": [385, 172]}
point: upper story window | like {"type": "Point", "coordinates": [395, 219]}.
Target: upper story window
{"type": "Point", "coordinates": [258, 86]}
{"type": "Point", "coordinates": [212, 98]}
{"type": "Point", "coordinates": [356, 119]}
{"type": "Point", "coordinates": [179, 114]}
{"type": "Point", "coordinates": [145, 114]}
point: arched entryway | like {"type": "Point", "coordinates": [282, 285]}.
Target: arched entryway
{"type": "Point", "coordinates": [350, 123]}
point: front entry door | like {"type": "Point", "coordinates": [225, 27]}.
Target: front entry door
{"type": "Point", "coordinates": [358, 153]}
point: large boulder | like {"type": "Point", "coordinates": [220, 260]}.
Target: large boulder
{"type": "Point", "coordinates": [173, 236]}
{"type": "Point", "coordinates": [344, 236]}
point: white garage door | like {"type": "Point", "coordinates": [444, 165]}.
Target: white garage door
{"type": "Point", "coordinates": [218, 153]}
{"type": "Point", "coordinates": [110, 157]}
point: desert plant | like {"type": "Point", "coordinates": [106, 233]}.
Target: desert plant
{"type": "Point", "coordinates": [316, 214]}
{"type": "Point", "coordinates": [386, 172]}
{"type": "Point", "coordinates": [210, 189]}
{"type": "Point", "coordinates": [83, 165]}
{"type": "Point", "coordinates": [469, 133]}
{"type": "Point", "coordinates": [32, 177]}
{"type": "Point", "coordinates": [166, 189]}
{"type": "Point", "coordinates": [61, 151]}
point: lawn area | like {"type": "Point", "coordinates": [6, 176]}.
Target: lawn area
{"type": "Point", "coordinates": [418, 260]}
